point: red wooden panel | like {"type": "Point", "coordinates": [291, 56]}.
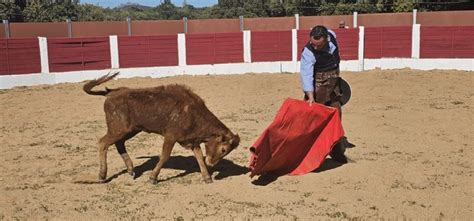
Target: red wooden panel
{"type": "Point", "coordinates": [387, 42]}
{"type": "Point", "coordinates": [229, 48]}
{"type": "Point", "coordinates": [19, 56]}
{"type": "Point", "coordinates": [214, 48]}
{"type": "Point", "coordinates": [463, 45]}
{"type": "Point", "coordinates": [148, 51]}
{"type": "Point", "coordinates": [348, 40]}
{"type": "Point", "coordinates": [373, 43]}
{"type": "Point", "coordinates": [3, 57]}
{"type": "Point", "coordinates": [303, 38]}
{"type": "Point", "coordinates": [271, 46]}
{"type": "Point", "coordinates": [76, 54]}
{"type": "Point", "coordinates": [447, 42]}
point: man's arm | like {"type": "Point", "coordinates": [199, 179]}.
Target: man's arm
{"type": "Point", "coordinates": [306, 73]}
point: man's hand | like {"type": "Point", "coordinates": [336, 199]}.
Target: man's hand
{"type": "Point", "coordinates": [310, 96]}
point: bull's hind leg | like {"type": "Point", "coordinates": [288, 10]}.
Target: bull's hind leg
{"type": "Point", "coordinates": [168, 144]}
{"type": "Point", "coordinates": [120, 145]}
{"type": "Point", "coordinates": [118, 122]}
{"type": "Point", "coordinates": [202, 165]}
{"type": "Point", "coordinates": [126, 159]}
{"type": "Point", "coordinates": [104, 144]}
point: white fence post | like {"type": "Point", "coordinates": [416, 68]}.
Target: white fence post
{"type": "Point", "coordinates": [247, 47]}
{"type": "Point", "coordinates": [414, 16]}
{"type": "Point", "coordinates": [361, 48]}
{"type": "Point", "coordinates": [6, 25]}
{"type": "Point", "coordinates": [415, 41]}
{"type": "Point", "coordinates": [129, 25]}
{"type": "Point", "coordinates": [114, 51]}
{"type": "Point", "coordinates": [69, 27]}
{"type": "Point", "coordinates": [185, 25]}
{"type": "Point", "coordinates": [181, 49]}
{"type": "Point", "coordinates": [354, 20]}
{"type": "Point", "coordinates": [294, 37]}
{"type": "Point", "coordinates": [294, 48]}
{"type": "Point", "coordinates": [43, 48]}
{"type": "Point", "coordinates": [297, 21]}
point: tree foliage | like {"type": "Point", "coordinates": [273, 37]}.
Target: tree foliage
{"type": "Point", "coordinates": [10, 11]}
{"type": "Point", "coordinates": [60, 10]}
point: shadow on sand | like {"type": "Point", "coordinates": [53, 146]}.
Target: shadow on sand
{"type": "Point", "coordinates": [225, 168]}
{"type": "Point", "coordinates": [268, 178]}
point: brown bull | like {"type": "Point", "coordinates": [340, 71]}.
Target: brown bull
{"type": "Point", "coordinates": [173, 111]}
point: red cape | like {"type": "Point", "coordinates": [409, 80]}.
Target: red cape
{"type": "Point", "coordinates": [298, 140]}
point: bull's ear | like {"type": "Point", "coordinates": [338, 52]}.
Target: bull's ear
{"type": "Point", "coordinates": [234, 142]}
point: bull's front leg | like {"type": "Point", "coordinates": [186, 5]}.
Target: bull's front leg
{"type": "Point", "coordinates": [168, 144]}
{"type": "Point", "coordinates": [200, 159]}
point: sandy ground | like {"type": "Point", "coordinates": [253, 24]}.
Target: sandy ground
{"type": "Point", "coordinates": [412, 160]}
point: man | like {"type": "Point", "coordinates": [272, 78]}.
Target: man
{"type": "Point", "coordinates": [320, 76]}
{"type": "Point", "coordinates": [342, 24]}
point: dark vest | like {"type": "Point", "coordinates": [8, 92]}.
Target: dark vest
{"type": "Point", "coordinates": [325, 61]}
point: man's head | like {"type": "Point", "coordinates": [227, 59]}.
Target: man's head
{"type": "Point", "coordinates": [342, 24]}
{"type": "Point", "coordinates": [318, 37]}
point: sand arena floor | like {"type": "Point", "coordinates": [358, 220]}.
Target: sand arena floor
{"type": "Point", "coordinates": [413, 155]}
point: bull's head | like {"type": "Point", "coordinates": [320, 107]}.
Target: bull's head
{"type": "Point", "coordinates": [219, 146]}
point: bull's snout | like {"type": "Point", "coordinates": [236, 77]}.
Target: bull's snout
{"type": "Point", "coordinates": [209, 163]}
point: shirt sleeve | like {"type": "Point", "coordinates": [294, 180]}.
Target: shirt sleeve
{"type": "Point", "coordinates": [332, 32]}
{"type": "Point", "coordinates": [306, 70]}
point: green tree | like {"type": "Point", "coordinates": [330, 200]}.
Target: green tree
{"type": "Point", "coordinates": [89, 12]}
{"type": "Point", "coordinates": [329, 9]}
{"type": "Point", "coordinates": [168, 10]}
{"type": "Point", "coordinates": [234, 9]}
{"type": "Point", "coordinates": [10, 11]}
{"type": "Point", "coordinates": [254, 8]}
{"type": "Point", "coordinates": [308, 8]}
{"type": "Point", "coordinates": [276, 9]}
{"type": "Point", "coordinates": [37, 12]}
{"type": "Point", "coordinates": [63, 11]}
{"type": "Point", "coordinates": [403, 6]}
{"type": "Point", "coordinates": [290, 8]}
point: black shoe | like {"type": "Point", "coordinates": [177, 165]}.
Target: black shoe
{"type": "Point", "coordinates": [347, 144]}
{"type": "Point", "coordinates": [337, 153]}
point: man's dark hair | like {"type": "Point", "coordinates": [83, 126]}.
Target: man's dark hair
{"type": "Point", "coordinates": [319, 31]}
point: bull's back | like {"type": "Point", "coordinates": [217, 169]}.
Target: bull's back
{"type": "Point", "coordinates": [158, 109]}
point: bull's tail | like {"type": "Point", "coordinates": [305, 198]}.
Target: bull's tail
{"type": "Point", "coordinates": [91, 84]}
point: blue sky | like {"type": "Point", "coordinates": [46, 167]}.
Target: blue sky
{"type": "Point", "coordinates": [114, 3]}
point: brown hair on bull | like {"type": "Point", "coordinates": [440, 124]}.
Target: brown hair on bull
{"type": "Point", "coordinates": [173, 111]}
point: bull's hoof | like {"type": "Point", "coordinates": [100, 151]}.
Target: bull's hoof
{"type": "Point", "coordinates": [152, 181]}
{"type": "Point", "coordinates": [131, 173]}
{"type": "Point", "coordinates": [102, 178]}
{"type": "Point", "coordinates": [208, 180]}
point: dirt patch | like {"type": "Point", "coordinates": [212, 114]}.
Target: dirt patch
{"type": "Point", "coordinates": [413, 154]}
